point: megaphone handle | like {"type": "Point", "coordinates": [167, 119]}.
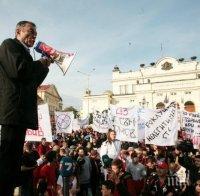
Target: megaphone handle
{"type": "Point", "coordinates": [44, 54]}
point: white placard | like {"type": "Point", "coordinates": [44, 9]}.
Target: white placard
{"type": "Point", "coordinates": [191, 126]}
{"type": "Point", "coordinates": [125, 123]}
{"type": "Point", "coordinates": [161, 126]}
{"type": "Point", "coordinates": [64, 122]}
{"type": "Point", "coordinates": [44, 126]}
{"type": "Point", "coordinates": [102, 121]}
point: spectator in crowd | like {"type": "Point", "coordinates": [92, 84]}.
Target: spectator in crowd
{"type": "Point", "coordinates": [197, 188]}
{"type": "Point", "coordinates": [43, 147]}
{"type": "Point", "coordinates": [107, 188]}
{"type": "Point", "coordinates": [67, 167]}
{"type": "Point", "coordinates": [130, 152]}
{"type": "Point", "coordinates": [138, 172]}
{"type": "Point", "coordinates": [84, 172]}
{"type": "Point", "coordinates": [48, 173]}
{"type": "Point", "coordinates": [96, 172]}
{"type": "Point", "coordinates": [29, 163]}
{"type": "Point", "coordinates": [150, 166]}
{"type": "Point", "coordinates": [111, 148]}
{"type": "Point", "coordinates": [195, 170]}
{"type": "Point", "coordinates": [123, 181]}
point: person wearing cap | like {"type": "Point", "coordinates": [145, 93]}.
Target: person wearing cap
{"type": "Point", "coordinates": [156, 184]}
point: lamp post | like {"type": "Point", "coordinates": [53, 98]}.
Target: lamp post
{"type": "Point", "coordinates": [88, 86]}
{"type": "Point", "coordinates": [144, 103]}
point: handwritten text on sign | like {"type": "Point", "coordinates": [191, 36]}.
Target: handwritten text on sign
{"type": "Point", "coordinates": [161, 126]}
{"type": "Point", "coordinates": [125, 123]}
{"type": "Point", "coordinates": [102, 121]}
{"type": "Point", "coordinates": [191, 126]}
{"type": "Point", "coordinates": [44, 126]}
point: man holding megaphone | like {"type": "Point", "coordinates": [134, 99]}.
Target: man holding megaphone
{"type": "Point", "coordinates": [20, 76]}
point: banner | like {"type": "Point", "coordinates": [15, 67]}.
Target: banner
{"type": "Point", "coordinates": [125, 123]}
{"type": "Point", "coordinates": [102, 121]}
{"type": "Point", "coordinates": [75, 125]}
{"type": "Point", "coordinates": [44, 126]}
{"type": "Point", "coordinates": [161, 126]}
{"type": "Point", "coordinates": [83, 122]}
{"type": "Point", "coordinates": [191, 126]}
{"type": "Point", "coordinates": [141, 124]}
{"type": "Point", "coordinates": [64, 122]}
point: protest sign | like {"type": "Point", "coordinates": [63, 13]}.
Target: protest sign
{"type": "Point", "coordinates": [191, 127]}
{"type": "Point", "coordinates": [44, 126]}
{"type": "Point", "coordinates": [102, 121]}
{"type": "Point", "coordinates": [141, 124]}
{"type": "Point", "coordinates": [64, 122]}
{"type": "Point", "coordinates": [83, 122]}
{"type": "Point", "coordinates": [75, 125]}
{"type": "Point", "coordinates": [161, 127]}
{"type": "Point", "coordinates": [125, 123]}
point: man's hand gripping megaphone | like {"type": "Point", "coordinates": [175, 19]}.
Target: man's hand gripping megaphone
{"type": "Point", "coordinates": [63, 60]}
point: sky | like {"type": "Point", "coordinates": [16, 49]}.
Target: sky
{"type": "Point", "coordinates": [105, 33]}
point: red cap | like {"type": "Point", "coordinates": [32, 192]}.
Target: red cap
{"type": "Point", "coordinates": [162, 165]}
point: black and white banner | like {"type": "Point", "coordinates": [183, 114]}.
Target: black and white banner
{"type": "Point", "coordinates": [161, 126]}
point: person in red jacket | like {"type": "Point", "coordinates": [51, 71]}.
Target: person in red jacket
{"type": "Point", "coordinates": [48, 173]}
{"type": "Point", "coordinates": [123, 181]}
{"type": "Point", "coordinates": [43, 148]}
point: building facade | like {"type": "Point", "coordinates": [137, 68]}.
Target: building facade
{"type": "Point", "coordinates": [167, 80]}
{"type": "Point", "coordinates": [49, 94]}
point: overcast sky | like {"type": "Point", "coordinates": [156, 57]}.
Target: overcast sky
{"type": "Point", "coordinates": [105, 33]}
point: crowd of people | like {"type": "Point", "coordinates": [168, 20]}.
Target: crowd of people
{"type": "Point", "coordinates": [83, 162]}
{"type": "Point", "coordinates": [86, 162]}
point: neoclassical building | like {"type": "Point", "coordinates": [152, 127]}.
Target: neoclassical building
{"type": "Point", "coordinates": [167, 80]}
{"type": "Point", "coordinates": [49, 94]}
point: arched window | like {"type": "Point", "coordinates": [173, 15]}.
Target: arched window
{"type": "Point", "coordinates": [189, 106]}
{"type": "Point", "coordinates": [160, 105]}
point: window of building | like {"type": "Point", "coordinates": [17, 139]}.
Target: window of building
{"type": "Point", "coordinates": [198, 75]}
{"type": "Point", "coordinates": [173, 93]}
{"type": "Point", "coordinates": [187, 92]}
{"type": "Point", "coordinates": [133, 88]}
{"type": "Point", "coordinates": [138, 82]}
{"type": "Point", "coordinates": [148, 80]}
{"type": "Point", "coordinates": [123, 89]}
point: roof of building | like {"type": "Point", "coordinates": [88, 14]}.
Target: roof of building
{"type": "Point", "coordinates": [44, 87]}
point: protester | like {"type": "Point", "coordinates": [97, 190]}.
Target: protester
{"type": "Point", "coordinates": [84, 172]}
{"type": "Point", "coordinates": [138, 172]}
{"type": "Point", "coordinates": [107, 188]}
{"type": "Point", "coordinates": [111, 148]}
{"type": "Point", "coordinates": [29, 163]}
{"type": "Point", "coordinates": [67, 167]}
{"type": "Point", "coordinates": [43, 148]}
{"type": "Point", "coordinates": [124, 184]}
{"type": "Point", "coordinates": [20, 76]}
{"type": "Point", "coordinates": [96, 172]}
{"type": "Point", "coordinates": [48, 174]}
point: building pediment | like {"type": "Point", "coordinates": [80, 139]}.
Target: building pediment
{"type": "Point", "coordinates": [50, 89]}
{"type": "Point", "coordinates": [166, 64]}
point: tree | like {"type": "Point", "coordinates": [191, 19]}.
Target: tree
{"type": "Point", "coordinates": [71, 109]}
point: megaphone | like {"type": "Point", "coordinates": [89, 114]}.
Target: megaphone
{"type": "Point", "coordinates": [62, 59]}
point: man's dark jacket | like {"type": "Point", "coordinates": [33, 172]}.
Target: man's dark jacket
{"type": "Point", "coordinates": [19, 78]}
